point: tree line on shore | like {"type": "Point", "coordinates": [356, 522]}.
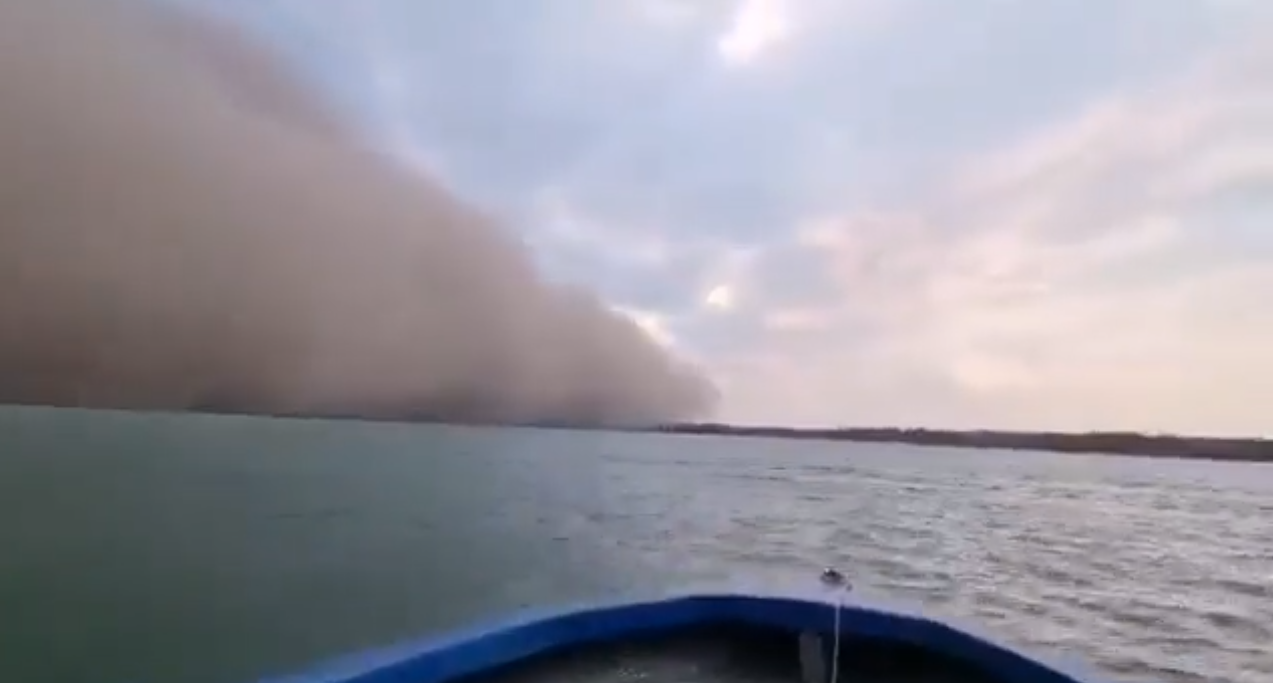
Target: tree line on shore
{"type": "Point", "coordinates": [1121, 443]}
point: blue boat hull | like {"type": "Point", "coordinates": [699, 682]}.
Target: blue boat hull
{"type": "Point", "coordinates": [844, 631]}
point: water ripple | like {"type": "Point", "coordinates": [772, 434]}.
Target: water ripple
{"type": "Point", "coordinates": [1152, 570]}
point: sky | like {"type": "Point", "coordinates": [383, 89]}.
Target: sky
{"type": "Point", "coordinates": [1054, 214]}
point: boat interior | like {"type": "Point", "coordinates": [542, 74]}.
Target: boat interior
{"type": "Point", "coordinates": [733, 654]}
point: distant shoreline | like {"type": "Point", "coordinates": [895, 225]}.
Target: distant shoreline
{"type": "Point", "coordinates": [1097, 443]}
{"type": "Point", "coordinates": [1180, 447]}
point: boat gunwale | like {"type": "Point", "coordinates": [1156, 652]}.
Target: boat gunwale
{"type": "Point", "coordinates": [494, 644]}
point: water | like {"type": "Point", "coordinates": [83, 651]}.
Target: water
{"type": "Point", "coordinates": [172, 549]}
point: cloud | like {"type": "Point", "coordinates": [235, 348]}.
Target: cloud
{"type": "Point", "coordinates": [923, 212]}
{"type": "Point", "coordinates": [756, 29]}
{"type": "Point", "coordinates": [651, 323]}
{"type": "Point", "coordinates": [757, 25]}
{"type": "Point", "coordinates": [720, 297]}
{"type": "Point", "coordinates": [185, 225]}
{"type": "Point", "coordinates": [1084, 276]}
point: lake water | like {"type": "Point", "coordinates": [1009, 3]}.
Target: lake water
{"type": "Point", "coordinates": [188, 549]}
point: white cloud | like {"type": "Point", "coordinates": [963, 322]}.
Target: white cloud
{"type": "Point", "coordinates": [720, 298]}
{"type": "Point", "coordinates": [654, 324]}
{"type": "Point", "coordinates": [799, 319]}
{"type": "Point", "coordinates": [1071, 280]}
{"type": "Point", "coordinates": [757, 26]}
{"type": "Point", "coordinates": [727, 279]}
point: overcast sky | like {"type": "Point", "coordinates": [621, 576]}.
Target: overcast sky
{"type": "Point", "coordinates": [1024, 214]}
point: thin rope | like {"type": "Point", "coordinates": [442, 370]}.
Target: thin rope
{"type": "Point", "coordinates": [835, 646]}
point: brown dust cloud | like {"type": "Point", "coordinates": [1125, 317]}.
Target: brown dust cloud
{"type": "Point", "coordinates": [184, 226]}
